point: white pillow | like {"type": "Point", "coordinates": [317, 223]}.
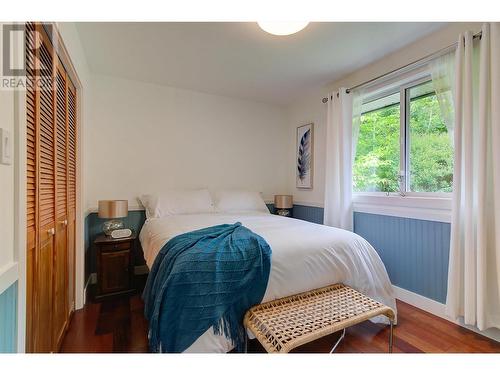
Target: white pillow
{"type": "Point", "coordinates": [177, 202]}
{"type": "Point", "coordinates": [238, 200]}
{"type": "Point", "coordinates": [150, 203]}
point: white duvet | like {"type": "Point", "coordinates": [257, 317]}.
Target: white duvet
{"type": "Point", "coordinates": [305, 256]}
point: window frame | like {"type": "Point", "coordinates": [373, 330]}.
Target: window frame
{"type": "Point", "coordinates": [405, 203]}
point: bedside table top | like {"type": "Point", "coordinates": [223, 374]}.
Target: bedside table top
{"type": "Point", "coordinates": [103, 239]}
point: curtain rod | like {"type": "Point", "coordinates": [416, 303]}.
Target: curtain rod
{"type": "Point", "coordinates": [431, 56]}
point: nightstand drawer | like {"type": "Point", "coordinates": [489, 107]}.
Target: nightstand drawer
{"type": "Point", "coordinates": [115, 275]}
{"type": "Point", "coordinates": [115, 247]}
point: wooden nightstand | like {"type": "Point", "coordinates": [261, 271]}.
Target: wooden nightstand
{"type": "Point", "coordinates": [115, 268]}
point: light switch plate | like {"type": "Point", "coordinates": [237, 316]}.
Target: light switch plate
{"type": "Point", "coordinates": [5, 147]}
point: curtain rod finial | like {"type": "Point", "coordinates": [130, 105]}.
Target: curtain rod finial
{"type": "Point", "coordinates": [324, 100]}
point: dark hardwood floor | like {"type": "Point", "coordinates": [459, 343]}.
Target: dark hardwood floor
{"type": "Point", "coordinates": [119, 326]}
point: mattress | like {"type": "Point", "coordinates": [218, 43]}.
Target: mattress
{"type": "Point", "coordinates": [305, 256]}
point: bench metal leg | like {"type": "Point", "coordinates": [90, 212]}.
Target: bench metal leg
{"type": "Point", "coordinates": [338, 341]}
{"type": "Point", "coordinates": [391, 337]}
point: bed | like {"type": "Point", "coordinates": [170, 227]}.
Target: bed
{"type": "Point", "coordinates": [305, 256]}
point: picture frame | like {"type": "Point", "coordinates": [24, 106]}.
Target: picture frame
{"type": "Point", "coordinates": [304, 160]}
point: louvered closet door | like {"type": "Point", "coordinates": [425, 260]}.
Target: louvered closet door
{"type": "Point", "coordinates": [31, 180]}
{"type": "Point", "coordinates": [71, 192]}
{"type": "Point", "coordinates": [46, 205]}
{"type": "Point", "coordinates": [60, 304]}
{"type": "Point", "coordinates": [51, 194]}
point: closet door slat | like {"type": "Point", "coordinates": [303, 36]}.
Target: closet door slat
{"type": "Point", "coordinates": [47, 183]}
{"type": "Point", "coordinates": [61, 175]}
{"type": "Point", "coordinates": [31, 182]}
{"type": "Point", "coordinates": [71, 148]}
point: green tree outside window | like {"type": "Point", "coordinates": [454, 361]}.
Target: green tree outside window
{"type": "Point", "coordinates": [377, 160]}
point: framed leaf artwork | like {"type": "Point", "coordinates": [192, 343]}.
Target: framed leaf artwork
{"type": "Point", "coordinates": [304, 148]}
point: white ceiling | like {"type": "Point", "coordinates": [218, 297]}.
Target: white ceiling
{"type": "Point", "coordinates": [239, 59]}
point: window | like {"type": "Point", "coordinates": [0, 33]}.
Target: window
{"type": "Point", "coordinates": [377, 161]}
{"type": "Point", "coordinates": [430, 145]}
{"type": "Point", "coordinates": [403, 144]}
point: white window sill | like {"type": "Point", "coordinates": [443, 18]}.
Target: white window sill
{"type": "Point", "coordinates": [434, 208]}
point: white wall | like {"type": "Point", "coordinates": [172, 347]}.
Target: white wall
{"type": "Point", "coordinates": [309, 107]}
{"type": "Point", "coordinates": [144, 138]}
{"type": "Point", "coordinates": [7, 255]}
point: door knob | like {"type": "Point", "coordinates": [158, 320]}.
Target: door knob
{"type": "Point", "coordinates": [51, 231]}
{"type": "Point", "coordinates": [65, 222]}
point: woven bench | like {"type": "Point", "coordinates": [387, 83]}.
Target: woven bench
{"type": "Point", "coordinates": [284, 324]}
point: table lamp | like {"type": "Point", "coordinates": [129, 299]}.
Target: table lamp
{"type": "Point", "coordinates": [112, 209]}
{"type": "Point", "coordinates": [283, 205]}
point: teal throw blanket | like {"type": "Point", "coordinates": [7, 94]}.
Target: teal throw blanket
{"type": "Point", "coordinates": [202, 279]}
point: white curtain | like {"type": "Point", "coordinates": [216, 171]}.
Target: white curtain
{"type": "Point", "coordinates": [443, 78]}
{"type": "Point", "coordinates": [342, 131]}
{"type": "Point", "coordinates": [474, 268]}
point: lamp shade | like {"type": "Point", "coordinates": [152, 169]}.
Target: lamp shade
{"type": "Point", "coordinates": [113, 209]}
{"type": "Point", "coordinates": [283, 201]}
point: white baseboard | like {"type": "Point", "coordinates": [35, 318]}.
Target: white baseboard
{"type": "Point", "coordinates": [424, 303]}
{"type": "Point", "coordinates": [86, 286]}
{"type": "Point", "coordinates": [438, 309]}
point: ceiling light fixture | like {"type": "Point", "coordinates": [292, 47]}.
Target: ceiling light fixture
{"type": "Point", "coordinates": [282, 28]}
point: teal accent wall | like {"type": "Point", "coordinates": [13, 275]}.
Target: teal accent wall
{"type": "Point", "coordinates": [415, 252]}
{"type": "Point", "coordinates": [308, 213]}
{"type": "Point", "coordinates": [8, 320]}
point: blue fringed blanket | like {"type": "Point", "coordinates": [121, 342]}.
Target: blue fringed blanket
{"type": "Point", "coordinates": [202, 279]}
